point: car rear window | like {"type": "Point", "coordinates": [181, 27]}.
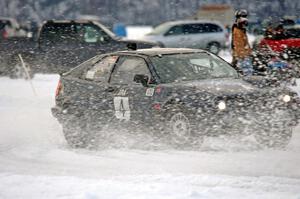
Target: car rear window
{"type": "Point", "coordinates": [62, 32]}
{"type": "Point", "coordinates": [101, 70]}
{"type": "Point", "coordinates": [201, 28]}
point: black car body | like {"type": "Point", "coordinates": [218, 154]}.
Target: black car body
{"type": "Point", "coordinates": [180, 95]}
{"type": "Point", "coordinates": [62, 45]}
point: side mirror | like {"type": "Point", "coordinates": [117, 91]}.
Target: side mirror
{"type": "Point", "coordinates": [168, 34]}
{"type": "Point", "coordinates": [132, 46]}
{"type": "Point", "coordinates": [143, 79]}
{"type": "Point", "coordinates": [105, 39]}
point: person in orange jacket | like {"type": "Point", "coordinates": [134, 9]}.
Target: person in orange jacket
{"type": "Point", "coordinates": [241, 50]}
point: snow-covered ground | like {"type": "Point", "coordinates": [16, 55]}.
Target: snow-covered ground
{"type": "Point", "coordinates": [35, 161]}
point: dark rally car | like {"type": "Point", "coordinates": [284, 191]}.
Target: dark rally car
{"type": "Point", "coordinates": [177, 95]}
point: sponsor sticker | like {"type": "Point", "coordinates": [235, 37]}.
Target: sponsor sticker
{"type": "Point", "coordinates": [122, 110]}
{"type": "Point", "coordinates": [90, 74]}
{"type": "Point", "coordinates": [149, 92]}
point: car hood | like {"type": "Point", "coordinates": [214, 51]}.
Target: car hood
{"type": "Point", "coordinates": [220, 86]}
{"type": "Point", "coordinates": [151, 37]}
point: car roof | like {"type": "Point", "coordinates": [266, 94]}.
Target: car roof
{"type": "Point", "coordinates": [192, 22]}
{"type": "Point", "coordinates": [70, 21]}
{"type": "Point", "coordinates": [160, 51]}
{"type": "Point", "coordinates": [79, 21]}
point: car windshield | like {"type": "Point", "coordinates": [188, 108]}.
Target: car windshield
{"type": "Point", "coordinates": [106, 30]}
{"type": "Point", "coordinates": [160, 29]}
{"type": "Point", "coordinates": [191, 66]}
{"type": "Point", "coordinates": [293, 32]}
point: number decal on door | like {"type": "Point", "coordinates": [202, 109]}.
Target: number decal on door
{"type": "Point", "coordinates": [122, 110]}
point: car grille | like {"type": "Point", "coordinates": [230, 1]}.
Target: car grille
{"type": "Point", "coordinates": [248, 102]}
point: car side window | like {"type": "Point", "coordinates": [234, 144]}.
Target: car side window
{"type": "Point", "coordinates": [61, 33]}
{"type": "Point", "coordinates": [175, 30]}
{"type": "Point", "coordinates": [212, 28]}
{"type": "Point", "coordinates": [92, 34]}
{"type": "Point", "coordinates": [100, 71]}
{"type": "Point", "coordinates": [126, 68]}
{"type": "Point", "coordinates": [193, 28]}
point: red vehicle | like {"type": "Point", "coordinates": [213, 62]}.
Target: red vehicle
{"type": "Point", "coordinates": [282, 41]}
{"type": "Point", "coordinates": [278, 53]}
{"type": "Point", "coordinates": [281, 45]}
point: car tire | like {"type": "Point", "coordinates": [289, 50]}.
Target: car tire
{"type": "Point", "coordinates": [17, 71]}
{"type": "Point", "coordinates": [181, 129]}
{"type": "Point", "coordinates": [277, 139]}
{"type": "Point", "coordinates": [214, 47]}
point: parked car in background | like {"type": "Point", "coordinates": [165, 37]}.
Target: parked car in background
{"type": "Point", "coordinates": [277, 53]}
{"type": "Point", "coordinates": [282, 41]}
{"type": "Point", "coordinates": [286, 39]}
{"type": "Point", "coordinates": [210, 35]}
{"type": "Point", "coordinates": [61, 45]}
{"type": "Point", "coordinates": [9, 27]}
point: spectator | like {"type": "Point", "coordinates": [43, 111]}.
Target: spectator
{"type": "Point", "coordinates": [241, 49]}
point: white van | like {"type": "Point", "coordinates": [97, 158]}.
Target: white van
{"type": "Point", "coordinates": [199, 34]}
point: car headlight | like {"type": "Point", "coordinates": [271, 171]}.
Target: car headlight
{"type": "Point", "coordinates": [221, 105]}
{"type": "Point", "coordinates": [286, 98]}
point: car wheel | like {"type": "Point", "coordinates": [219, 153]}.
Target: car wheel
{"type": "Point", "coordinates": [17, 69]}
{"type": "Point", "coordinates": [214, 47]}
{"type": "Point", "coordinates": [181, 130]}
{"type": "Point", "coordinates": [278, 138]}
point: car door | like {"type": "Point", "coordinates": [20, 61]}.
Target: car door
{"type": "Point", "coordinates": [174, 37]}
{"type": "Point", "coordinates": [95, 91]}
{"type": "Point", "coordinates": [214, 33]}
{"type": "Point", "coordinates": [195, 34]}
{"type": "Point", "coordinates": [132, 101]}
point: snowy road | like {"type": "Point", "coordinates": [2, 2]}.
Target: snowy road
{"type": "Point", "coordinates": [36, 163]}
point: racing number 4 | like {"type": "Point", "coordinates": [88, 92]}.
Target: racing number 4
{"type": "Point", "coordinates": [122, 110]}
